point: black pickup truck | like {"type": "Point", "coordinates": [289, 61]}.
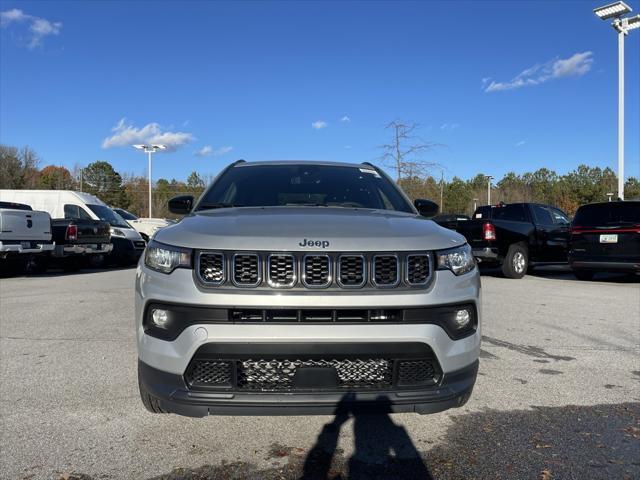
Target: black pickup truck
{"type": "Point", "coordinates": [517, 236]}
{"type": "Point", "coordinates": [78, 239]}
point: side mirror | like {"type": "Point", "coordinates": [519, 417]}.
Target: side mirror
{"type": "Point", "coordinates": [181, 205]}
{"type": "Point", "coordinates": [426, 208]}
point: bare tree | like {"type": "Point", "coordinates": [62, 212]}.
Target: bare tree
{"type": "Point", "coordinates": [405, 152]}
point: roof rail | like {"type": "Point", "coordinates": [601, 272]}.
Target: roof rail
{"type": "Point", "coordinates": [242, 160]}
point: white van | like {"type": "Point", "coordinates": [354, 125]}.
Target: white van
{"type": "Point", "coordinates": [128, 245]}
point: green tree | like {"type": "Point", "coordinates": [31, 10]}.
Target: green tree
{"type": "Point", "coordinates": [458, 196]}
{"type": "Point", "coordinates": [100, 179]}
{"type": "Point", "coordinates": [632, 189]}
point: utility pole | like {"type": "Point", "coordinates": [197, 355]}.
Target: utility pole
{"type": "Point", "coordinates": [622, 25]}
{"type": "Point", "coordinates": [488, 177]}
{"type": "Point", "coordinates": [441, 191]}
{"type": "Point", "coordinates": [81, 178]}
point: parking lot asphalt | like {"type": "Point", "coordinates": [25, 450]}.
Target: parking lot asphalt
{"type": "Point", "coordinates": [557, 397]}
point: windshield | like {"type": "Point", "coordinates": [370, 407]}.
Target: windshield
{"type": "Point", "coordinates": [124, 214]}
{"type": "Point", "coordinates": [608, 214]}
{"type": "Point", "coordinates": [107, 215]}
{"type": "Point", "coordinates": [304, 185]}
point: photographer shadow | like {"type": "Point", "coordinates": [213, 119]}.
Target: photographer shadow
{"type": "Point", "coordinates": [383, 449]}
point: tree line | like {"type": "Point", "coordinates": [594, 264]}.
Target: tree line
{"type": "Point", "coordinates": [20, 169]}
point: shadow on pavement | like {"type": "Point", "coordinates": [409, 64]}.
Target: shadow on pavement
{"type": "Point", "coordinates": [571, 442]}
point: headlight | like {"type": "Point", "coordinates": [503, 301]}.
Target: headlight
{"type": "Point", "coordinates": [459, 260]}
{"type": "Point", "coordinates": [166, 258]}
{"type": "Point", "coordinates": [116, 232]}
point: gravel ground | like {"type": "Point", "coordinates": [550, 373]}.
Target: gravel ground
{"type": "Point", "coordinates": [557, 397]}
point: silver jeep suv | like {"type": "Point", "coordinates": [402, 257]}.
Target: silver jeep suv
{"type": "Point", "coordinates": [305, 287]}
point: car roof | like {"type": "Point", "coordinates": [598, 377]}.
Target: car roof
{"type": "Point", "coordinates": [302, 162]}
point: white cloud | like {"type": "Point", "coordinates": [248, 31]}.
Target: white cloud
{"type": "Point", "coordinates": [576, 65]}
{"type": "Point", "coordinates": [520, 143]}
{"type": "Point", "coordinates": [319, 125]}
{"type": "Point", "coordinates": [39, 28]}
{"type": "Point", "coordinates": [345, 119]}
{"type": "Point", "coordinates": [126, 135]}
{"type": "Point", "coordinates": [209, 151]}
{"type": "Point", "coordinates": [449, 126]}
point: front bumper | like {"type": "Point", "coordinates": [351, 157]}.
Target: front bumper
{"type": "Point", "coordinates": [174, 396]}
{"type": "Point", "coordinates": [163, 363]}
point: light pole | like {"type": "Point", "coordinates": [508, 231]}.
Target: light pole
{"type": "Point", "coordinates": [150, 149]}
{"type": "Point", "coordinates": [489, 178]}
{"type": "Point", "coordinates": [622, 26]}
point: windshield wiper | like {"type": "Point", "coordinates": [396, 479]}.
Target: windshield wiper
{"type": "Point", "coordinates": [211, 206]}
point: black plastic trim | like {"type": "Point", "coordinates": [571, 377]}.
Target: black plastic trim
{"type": "Point", "coordinates": [174, 396]}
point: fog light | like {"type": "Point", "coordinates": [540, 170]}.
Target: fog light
{"type": "Point", "coordinates": [462, 318]}
{"type": "Point", "coordinates": [160, 317]}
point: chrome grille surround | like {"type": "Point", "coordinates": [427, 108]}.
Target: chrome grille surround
{"type": "Point", "coordinates": [211, 268]}
{"type": "Point", "coordinates": [264, 270]}
{"type": "Point", "coordinates": [352, 278]}
{"type": "Point", "coordinates": [246, 270]}
{"type": "Point", "coordinates": [385, 271]}
{"type": "Point", "coordinates": [281, 270]}
{"type": "Point", "coordinates": [317, 270]}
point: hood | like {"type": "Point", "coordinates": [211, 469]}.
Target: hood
{"type": "Point", "coordinates": [308, 228]}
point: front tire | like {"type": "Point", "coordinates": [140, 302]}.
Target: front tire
{"type": "Point", "coordinates": [150, 402]}
{"type": "Point", "coordinates": [516, 262]}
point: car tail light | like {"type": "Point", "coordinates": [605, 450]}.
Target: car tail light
{"type": "Point", "coordinates": [489, 231]}
{"type": "Point", "coordinates": [72, 232]}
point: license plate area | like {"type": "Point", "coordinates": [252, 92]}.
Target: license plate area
{"type": "Point", "coordinates": [609, 238]}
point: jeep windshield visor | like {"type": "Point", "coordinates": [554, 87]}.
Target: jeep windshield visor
{"type": "Point", "coordinates": [304, 185]}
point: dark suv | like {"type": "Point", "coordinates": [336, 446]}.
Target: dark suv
{"type": "Point", "coordinates": [605, 237]}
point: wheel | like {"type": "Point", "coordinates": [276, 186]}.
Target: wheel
{"type": "Point", "coordinates": [516, 261]}
{"type": "Point", "coordinates": [584, 274]}
{"type": "Point", "coordinates": [150, 402]}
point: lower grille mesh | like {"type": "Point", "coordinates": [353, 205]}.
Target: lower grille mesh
{"type": "Point", "coordinates": [209, 373]}
{"type": "Point", "coordinates": [270, 375]}
{"type": "Point", "coordinates": [277, 374]}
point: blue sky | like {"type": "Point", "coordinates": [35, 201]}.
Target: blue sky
{"type": "Point", "coordinates": [504, 86]}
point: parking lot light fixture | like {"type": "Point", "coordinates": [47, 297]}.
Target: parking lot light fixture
{"type": "Point", "coordinates": [150, 149]}
{"type": "Point", "coordinates": [612, 10]}
{"type": "Point", "coordinates": [489, 178]}
{"type": "Point", "coordinates": [622, 25]}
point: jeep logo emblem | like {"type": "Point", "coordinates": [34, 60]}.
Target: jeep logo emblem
{"type": "Point", "coordinates": [308, 243]}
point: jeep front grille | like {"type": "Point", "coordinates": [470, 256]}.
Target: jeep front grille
{"type": "Point", "coordinates": [316, 271]}
{"type": "Point", "coordinates": [246, 270]}
{"type": "Point", "coordinates": [282, 270]}
{"type": "Point", "coordinates": [351, 271]}
{"type": "Point", "coordinates": [264, 270]}
{"type": "Point", "coordinates": [418, 269]}
{"type": "Point", "coordinates": [211, 268]}
{"type": "Point", "coordinates": [385, 270]}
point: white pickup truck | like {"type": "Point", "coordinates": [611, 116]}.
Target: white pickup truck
{"type": "Point", "coordinates": [23, 233]}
